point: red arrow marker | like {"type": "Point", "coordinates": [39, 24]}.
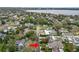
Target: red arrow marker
{"type": "Point", "coordinates": [35, 45]}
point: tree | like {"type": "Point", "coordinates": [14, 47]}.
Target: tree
{"type": "Point", "coordinates": [77, 49]}
{"type": "Point", "coordinates": [57, 26]}
{"type": "Point", "coordinates": [30, 34]}
{"type": "Point", "coordinates": [1, 40]}
{"type": "Point", "coordinates": [17, 31]}
{"type": "Point", "coordinates": [66, 22]}
{"type": "Point", "coordinates": [3, 22]}
{"type": "Point", "coordinates": [75, 29]}
{"type": "Point", "coordinates": [12, 45]}
{"type": "Point", "coordinates": [3, 47]}
{"type": "Point", "coordinates": [76, 23]}
{"type": "Point", "coordinates": [68, 47]}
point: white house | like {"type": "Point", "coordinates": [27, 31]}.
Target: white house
{"type": "Point", "coordinates": [50, 32]}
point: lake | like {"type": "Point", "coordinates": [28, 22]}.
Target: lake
{"type": "Point", "coordinates": [65, 12]}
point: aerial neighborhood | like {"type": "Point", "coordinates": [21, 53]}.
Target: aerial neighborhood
{"type": "Point", "coordinates": [23, 31]}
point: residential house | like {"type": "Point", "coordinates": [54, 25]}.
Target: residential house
{"type": "Point", "coordinates": [55, 43]}
{"type": "Point", "coordinates": [50, 32]}
{"type": "Point", "coordinates": [76, 40]}
{"type": "Point", "coordinates": [20, 44]}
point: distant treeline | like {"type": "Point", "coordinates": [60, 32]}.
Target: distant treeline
{"type": "Point", "coordinates": [39, 8]}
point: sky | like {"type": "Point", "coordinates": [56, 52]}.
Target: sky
{"type": "Point", "coordinates": [39, 3]}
